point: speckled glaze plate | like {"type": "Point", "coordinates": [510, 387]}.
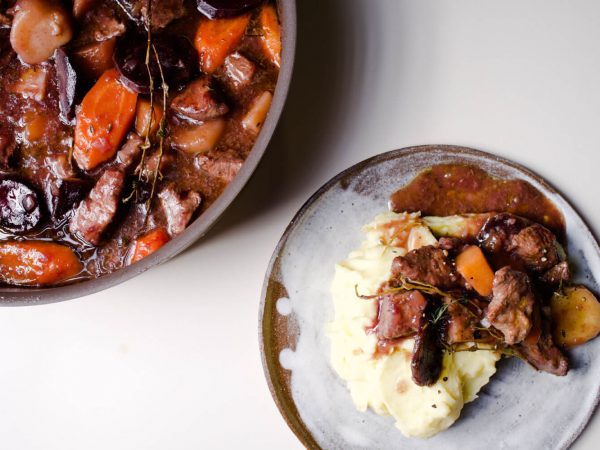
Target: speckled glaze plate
{"type": "Point", "coordinates": [519, 409]}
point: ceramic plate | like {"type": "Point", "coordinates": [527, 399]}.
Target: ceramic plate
{"type": "Point", "coordinates": [519, 408]}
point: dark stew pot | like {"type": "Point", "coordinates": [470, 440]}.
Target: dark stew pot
{"type": "Point", "coordinates": [92, 162]}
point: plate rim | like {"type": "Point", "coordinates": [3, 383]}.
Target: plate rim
{"type": "Point", "coordinates": [289, 412]}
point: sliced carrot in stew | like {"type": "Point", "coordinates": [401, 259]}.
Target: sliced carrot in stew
{"type": "Point", "coordinates": [271, 34]}
{"type": "Point", "coordinates": [103, 120]}
{"type": "Point", "coordinates": [216, 38]}
{"type": "Point", "coordinates": [148, 243]}
{"type": "Point", "coordinates": [474, 268]}
{"type": "Point", "coordinates": [37, 263]}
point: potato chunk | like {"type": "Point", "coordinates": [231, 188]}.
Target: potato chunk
{"type": "Point", "coordinates": [39, 27]}
{"type": "Point", "coordinates": [198, 138]}
{"type": "Point", "coordinates": [255, 117]}
{"type": "Point", "coordinates": [576, 316]}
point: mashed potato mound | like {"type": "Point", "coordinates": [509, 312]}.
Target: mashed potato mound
{"type": "Point", "coordinates": [384, 383]}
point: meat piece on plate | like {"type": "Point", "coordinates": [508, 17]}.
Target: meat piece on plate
{"type": "Point", "coordinates": [497, 231]}
{"type": "Point", "coordinates": [97, 211]}
{"type": "Point", "coordinates": [536, 247]}
{"type": "Point", "coordinates": [428, 355]}
{"type": "Point", "coordinates": [178, 208]}
{"type": "Point", "coordinates": [557, 274]}
{"type": "Point", "coordinates": [543, 354]}
{"type": "Point", "coordinates": [198, 102]}
{"type": "Point", "coordinates": [428, 265]}
{"type": "Point", "coordinates": [222, 165]}
{"type": "Point", "coordinates": [400, 314]}
{"type": "Point", "coordinates": [239, 70]}
{"type": "Point", "coordinates": [163, 11]}
{"type": "Point", "coordinates": [130, 151]}
{"type": "Point", "coordinates": [511, 308]}
{"type": "Point", "coordinates": [462, 323]}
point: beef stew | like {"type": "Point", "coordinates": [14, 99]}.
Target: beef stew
{"type": "Point", "coordinates": [123, 123]}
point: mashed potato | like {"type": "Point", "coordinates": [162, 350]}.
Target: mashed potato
{"type": "Point", "coordinates": [384, 383]}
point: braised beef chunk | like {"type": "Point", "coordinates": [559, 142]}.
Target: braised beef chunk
{"type": "Point", "coordinates": [428, 355]}
{"type": "Point", "coordinates": [497, 231]}
{"type": "Point", "coordinates": [451, 244]}
{"type": "Point", "coordinates": [130, 151]}
{"type": "Point", "coordinates": [463, 322]}
{"type": "Point", "coordinates": [163, 12]}
{"type": "Point", "coordinates": [428, 265]}
{"type": "Point", "coordinates": [535, 245]}
{"type": "Point", "coordinates": [97, 211]}
{"type": "Point", "coordinates": [198, 102]}
{"type": "Point", "coordinates": [103, 24]}
{"type": "Point", "coordinates": [222, 165]}
{"type": "Point", "coordinates": [544, 355]}
{"type": "Point", "coordinates": [400, 314]}
{"type": "Point", "coordinates": [511, 308]}
{"type": "Point", "coordinates": [239, 70]}
{"type": "Point", "coordinates": [178, 208]}
{"type": "Point", "coordinates": [560, 273]}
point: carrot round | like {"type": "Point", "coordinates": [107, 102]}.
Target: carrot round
{"type": "Point", "coordinates": [216, 38]}
{"type": "Point", "coordinates": [149, 243]}
{"type": "Point", "coordinates": [37, 263]}
{"type": "Point", "coordinates": [474, 268]}
{"type": "Point", "coordinates": [105, 116]}
{"type": "Point", "coordinates": [271, 33]}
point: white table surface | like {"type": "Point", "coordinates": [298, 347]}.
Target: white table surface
{"type": "Point", "coordinates": [170, 360]}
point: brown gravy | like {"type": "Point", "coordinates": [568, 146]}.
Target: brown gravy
{"type": "Point", "coordinates": [448, 189]}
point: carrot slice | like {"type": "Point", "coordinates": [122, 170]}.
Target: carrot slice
{"type": "Point", "coordinates": [103, 120]}
{"type": "Point", "coordinates": [216, 38]}
{"type": "Point", "coordinates": [149, 243]}
{"type": "Point", "coordinates": [474, 268]}
{"type": "Point", "coordinates": [37, 263]}
{"type": "Point", "coordinates": [271, 33]}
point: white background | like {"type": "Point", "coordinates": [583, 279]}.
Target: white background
{"type": "Point", "coordinates": [170, 359]}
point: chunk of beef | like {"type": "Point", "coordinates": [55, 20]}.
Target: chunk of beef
{"type": "Point", "coordinates": [400, 314]}
{"type": "Point", "coordinates": [130, 151]}
{"type": "Point", "coordinates": [462, 322]}
{"type": "Point", "coordinates": [163, 11]}
{"type": "Point", "coordinates": [535, 245]}
{"type": "Point", "coordinates": [497, 231]}
{"type": "Point", "coordinates": [452, 244]}
{"type": "Point", "coordinates": [511, 308]}
{"type": "Point", "coordinates": [101, 25]}
{"type": "Point", "coordinates": [428, 354]}
{"type": "Point", "coordinates": [222, 165]}
{"type": "Point", "coordinates": [97, 211]}
{"type": "Point", "coordinates": [428, 265]}
{"type": "Point", "coordinates": [166, 161]}
{"type": "Point", "coordinates": [178, 208]}
{"type": "Point", "coordinates": [198, 102]}
{"type": "Point", "coordinates": [543, 354]}
{"type": "Point", "coordinates": [557, 274]}
{"type": "Point", "coordinates": [238, 70]}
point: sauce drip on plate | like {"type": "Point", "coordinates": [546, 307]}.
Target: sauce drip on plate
{"type": "Point", "coordinates": [448, 189]}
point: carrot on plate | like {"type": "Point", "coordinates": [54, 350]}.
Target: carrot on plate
{"type": "Point", "coordinates": [149, 243]}
{"type": "Point", "coordinates": [271, 33]}
{"type": "Point", "coordinates": [474, 268]}
{"type": "Point", "coordinates": [37, 263]}
{"type": "Point", "coordinates": [216, 38]}
{"type": "Point", "coordinates": [103, 120]}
